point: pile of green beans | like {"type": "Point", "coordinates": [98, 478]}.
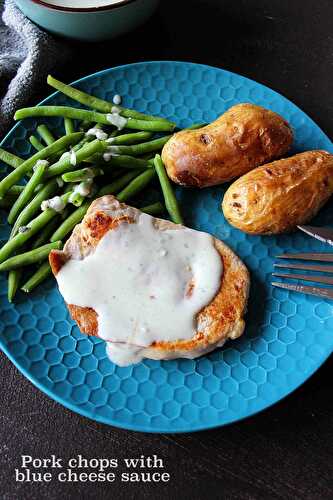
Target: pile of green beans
{"type": "Point", "coordinates": [44, 210]}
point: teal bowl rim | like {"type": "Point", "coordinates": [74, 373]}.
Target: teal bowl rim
{"type": "Point", "coordinates": [113, 6]}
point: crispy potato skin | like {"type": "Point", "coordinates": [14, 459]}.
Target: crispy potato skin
{"type": "Point", "coordinates": [276, 197]}
{"type": "Point", "coordinates": [243, 138]}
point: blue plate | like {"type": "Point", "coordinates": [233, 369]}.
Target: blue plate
{"type": "Point", "coordinates": [288, 335]}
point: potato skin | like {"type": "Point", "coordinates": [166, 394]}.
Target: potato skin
{"type": "Point", "coordinates": [241, 139]}
{"type": "Point", "coordinates": [276, 197]}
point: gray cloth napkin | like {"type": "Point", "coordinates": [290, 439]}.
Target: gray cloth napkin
{"type": "Point", "coordinates": [27, 54]}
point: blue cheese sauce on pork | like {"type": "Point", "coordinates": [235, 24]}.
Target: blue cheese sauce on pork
{"type": "Point", "coordinates": [146, 285]}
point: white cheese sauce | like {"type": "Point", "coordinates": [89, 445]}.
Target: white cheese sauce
{"type": "Point", "coordinates": [84, 188]}
{"type": "Point", "coordinates": [45, 163]}
{"type": "Point", "coordinates": [118, 121]}
{"type": "Point", "coordinates": [109, 154]}
{"type": "Point", "coordinates": [56, 203]}
{"type": "Point", "coordinates": [65, 155]}
{"type": "Point", "coordinates": [73, 158]}
{"type": "Point", "coordinates": [127, 354]}
{"type": "Point", "coordinates": [98, 133]}
{"type": "Point", "coordinates": [145, 284]}
{"type": "Point", "coordinates": [116, 99]}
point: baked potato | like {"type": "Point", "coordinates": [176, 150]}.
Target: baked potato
{"type": "Point", "coordinates": [276, 197]}
{"type": "Point", "coordinates": [241, 139]}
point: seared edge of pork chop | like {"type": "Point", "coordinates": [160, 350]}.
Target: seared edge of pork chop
{"type": "Point", "coordinates": [219, 320]}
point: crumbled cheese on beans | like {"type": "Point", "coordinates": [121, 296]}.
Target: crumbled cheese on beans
{"type": "Point", "coordinates": [116, 99]}
{"type": "Point", "coordinates": [84, 189]}
{"type": "Point", "coordinates": [118, 121]}
{"type": "Point", "coordinates": [64, 156]}
{"type": "Point", "coordinates": [98, 133]}
{"type": "Point", "coordinates": [55, 203]}
{"type": "Point", "coordinates": [73, 158]}
{"type": "Point", "coordinates": [39, 163]}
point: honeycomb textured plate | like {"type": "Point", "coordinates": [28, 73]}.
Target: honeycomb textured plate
{"type": "Point", "coordinates": [288, 335]}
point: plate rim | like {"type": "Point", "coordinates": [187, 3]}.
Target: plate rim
{"type": "Point", "coordinates": [134, 427]}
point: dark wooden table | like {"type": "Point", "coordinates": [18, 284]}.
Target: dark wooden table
{"type": "Point", "coordinates": [285, 452]}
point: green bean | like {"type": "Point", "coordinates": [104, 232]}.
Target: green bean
{"type": "Point", "coordinates": [28, 191]}
{"type": "Point", "coordinates": [78, 214]}
{"type": "Point", "coordinates": [11, 196]}
{"type": "Point", "coordinates": [147, 156]}
{"type": "Point", "coordinates": [38, 277]}
{"type": "Point", "coordinates": [33, 207]}
{"type": "Point", "coordinates": [131, 138]}
{"type": "Point", "coordinates": [36, 143]}
{"type": "Point", "coordinates": [195, 126]}
{"type": "Point", "coordinates": [139, 149]}
{"type": "Point", "coordinates": [69, 126]}
{"type": "Point", "coordinates": [32, 228]}
{"type": "Point", "coordinates": [136, 185]}
{"type": "Point", "coordinates": [48, 139]}
{"type": "Point", "coordinates": [64, 111]}
{"type": "Point", "coordinates": [27, 165]}
{"type": "Point", "coordinates": [86, 138]}
{"type": "Point", "coordinates": [67, 187]}
{"type": "Point", "coordinates": [65, 165]}
{"type": "Point", "coordinates": [69, 223]}
{"type": "Point", "coordinates": [15, 190]}
{"type": "Point", "coordinates": [112, 173]}
{"type": "Point", "coordinates": [7, 201]}
{"type": "Point", "coordinates": [94, 116]}
{"type": "Point", "coordinates": [10, 159]}
{"type": "Point", "coordinates": [14, 277]}
{"type": "Point", "coordinates": [82, 175]}
{"type": "Point", "coordinates": [153, 209]}
{"type": "Point", "coordinates": [132, 114]}
{"type": "Point", "coordinates": [125, 161]}
{"type": "Point", "coordinates": [117, 184]}
{"type": "Point", "coordinates": [45, 234]}
{"type": "Point", "coordinates": [152, 125]}
{"type": "Point", "coordinates": [77, 199]}
{"type": "Point", "coordinates": [169, 196]}
{"type": "Point", "coordinates": [85, 125]}
{"type": "Point", "coordinates": [96, 103]}
{"type": "Point", "coordinates": [31, 257]}
{"type": "Point", "coordinates": [89, 138]}
{"type": "Point", "coordinates": [46, 134]}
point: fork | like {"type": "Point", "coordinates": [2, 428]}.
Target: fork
{"type": "Point", "coordinates": [322, 234]}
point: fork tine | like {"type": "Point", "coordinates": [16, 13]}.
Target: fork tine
{"type": "Point", "coordinates": [309, 290]}
{"type": "Point", "coordinates": [324, 257]}
{"type": "Point", "coordinates": [327, 280]}
{"type": "Point", "coordinates": [306, 267]}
